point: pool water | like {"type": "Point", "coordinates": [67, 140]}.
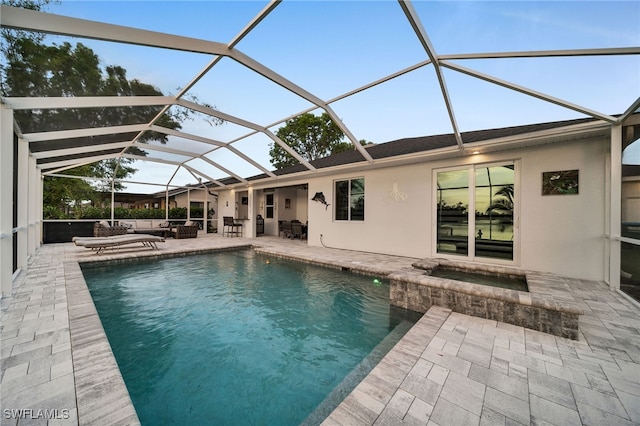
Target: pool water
{"type": "Point", "coordinates": [493, 280]}
{"type": "Point", "coordinates": [240, 338]}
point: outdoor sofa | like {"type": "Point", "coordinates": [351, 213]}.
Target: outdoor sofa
{"type": "Point", "coordinates": [104, 229]}
{"type": "Point", "coordinates": [158, 227]}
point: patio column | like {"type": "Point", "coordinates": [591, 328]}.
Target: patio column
{"type": "Point", "coordinates": [39, 197]}
{"type": "Point", "coordinates": [250, 225]}
{"type": "Point", "coordinates": [615, 206]}
{"type": "Point", "coordinates": [34, 201]}
{"type": "Point", "coordinates": [188, 203]}
{"type": "Point", "coordinates": [6, 194]}
{"type": "Point", "coordinates": [166, 202]}
{"type": "Point", "coordinates": [23, 200]}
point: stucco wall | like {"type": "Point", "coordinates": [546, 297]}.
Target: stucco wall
{"type": "Point", "coordinates": [563, 234]}
{"type": "Point", "coordinates": [195, 196]}
{"type": "Point", "coordinates": [391, 226]}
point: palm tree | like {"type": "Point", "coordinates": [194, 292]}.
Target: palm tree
{"type": "Point", "coordinates": [503, 201]}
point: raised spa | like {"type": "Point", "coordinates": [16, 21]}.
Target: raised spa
{"type": "Point", "coordinates": [527, 303]}
{"type": "Point", "coordinates": [509, 281]}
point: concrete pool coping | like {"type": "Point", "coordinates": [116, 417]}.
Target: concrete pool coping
{"type": "Point", "coordinates": [53, 356]}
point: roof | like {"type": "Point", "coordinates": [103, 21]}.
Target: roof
{"type": "Point", "coordinates": [422, 144]}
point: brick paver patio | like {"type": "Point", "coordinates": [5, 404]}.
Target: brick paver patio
{"type": "Point", "coordinates": [449, 369]}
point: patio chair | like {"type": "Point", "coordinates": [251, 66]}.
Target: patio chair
{"type": "Point", "coordinates": [297, 230]}
{"type": "Point", "coordinates": [188, 230]}
{"type": "Point", "coordinates": [231, 227]}
{"type": "Point", "coordinates": [286, 229]}
{"type": "Point", "coordinates": [104, 229]}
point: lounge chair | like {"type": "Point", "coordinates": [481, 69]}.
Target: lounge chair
{"type": "Point", "coordinates": [100, 244]}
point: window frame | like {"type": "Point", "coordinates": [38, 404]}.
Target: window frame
{"type": "Point", "coordinates": [338, 215]}
{"type": "Point", "coordinates": [471, 255]}
{"type": "Point", "coordinates": [269, 207]}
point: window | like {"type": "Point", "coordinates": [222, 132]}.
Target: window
{"type": "Point", "coordinates": [349, 199]}
{"type": "Point", "coordinates": [269, 205]}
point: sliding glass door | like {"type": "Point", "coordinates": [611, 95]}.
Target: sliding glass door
{"type": "Point", "coordinates": [475, 208]}
{"type": "Point", "coordinates": [453, 212]}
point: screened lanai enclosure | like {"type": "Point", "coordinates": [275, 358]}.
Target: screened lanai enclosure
{"type": "Point", "coordinates": [226, 76]}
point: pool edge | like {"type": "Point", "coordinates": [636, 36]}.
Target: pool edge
{"type": "Point", "coordinates": [102, 396]}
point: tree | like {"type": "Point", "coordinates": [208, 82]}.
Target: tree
{"type": "Point", "coordinates": [61, 195]}
{"type": "Point", "coordinates": [502, 202]}
{"type": "Point", "coordinates": [31, 68]}
{"type": "Point", "coordinates": [309, 135]}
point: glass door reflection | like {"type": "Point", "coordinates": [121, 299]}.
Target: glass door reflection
{"type": "Point", "coordinates": [453, 212]}
{"type": "Point", "coordinates": [494, 206]}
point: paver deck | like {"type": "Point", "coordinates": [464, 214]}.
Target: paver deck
{"type": "Point", "coordinates": [449, 369]}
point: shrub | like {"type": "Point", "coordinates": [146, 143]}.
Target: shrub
{"type": "Point", "coordinates": [52, 212]}
{"type": "Point", "coordinates": [92, 213]}
{"type": "Point", "coordinates": [119, 212]}
{"type": "Point", "coordinates": [197, 212]}
{"type": "Point", "coordinates": [178, 213]}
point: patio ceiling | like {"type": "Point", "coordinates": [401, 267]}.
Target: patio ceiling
{"type": "Point", "coordinates": [202, 155]}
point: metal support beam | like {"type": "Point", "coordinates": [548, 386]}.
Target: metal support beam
{"type": "Point", "coordinates": [414, 20]}
{"type": "Point", "coordinates": [18, 18]}
{"type": "Point", "coordinates": [85, 102]}
{"type": "Point", "coordinates": [615, 207]}
{"type": "Point", "coordinates": [23, 203]}
{"type": "Point", "coordinates": [529, 92]}
{"type": "Point", "coordinates": [615, 51]}
{"type": "Point", "coordinates": [79, 133]}
{"type": "Point", "coordinates": [248, 124]}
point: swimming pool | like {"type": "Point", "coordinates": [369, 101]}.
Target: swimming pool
{"type": "Point", "coordinates": [242, 338]}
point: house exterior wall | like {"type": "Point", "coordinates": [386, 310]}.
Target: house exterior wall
{"type": "Point", "coordinates": [390, 227]}
{"type": "Point", "coordinates": [562, 234]}
{"type": "Point", "coordinates": [565, 234]}
{"type": "Point", "coordinates": [196, 195]}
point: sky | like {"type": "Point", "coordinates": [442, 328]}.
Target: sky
{"type": "Point", "coordinates": [332, 47]}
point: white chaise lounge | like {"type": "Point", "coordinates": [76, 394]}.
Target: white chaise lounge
{"type": "Point", "coordinates": [100, 244]}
